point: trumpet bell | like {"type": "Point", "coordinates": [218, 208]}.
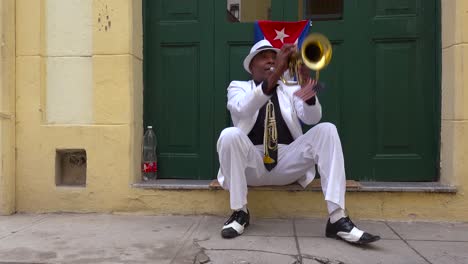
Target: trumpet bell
{"type": "Point", "coordinates": [316, 51]}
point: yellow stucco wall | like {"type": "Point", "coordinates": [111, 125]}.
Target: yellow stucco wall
{"type": "Point", "coordinates": [7, 107]}
{"type": "Point", "coordinates": [254, 10]}
{"type": "Point", "coordinates": [109, 139]}
{"type": "Point", "coordinates": [112, 138]}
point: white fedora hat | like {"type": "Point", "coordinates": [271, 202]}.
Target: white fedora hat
{"type": "Point", "coordinates": [260, 46]}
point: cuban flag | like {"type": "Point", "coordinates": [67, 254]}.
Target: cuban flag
{"type": "Point", "coordinates": [280, 32]}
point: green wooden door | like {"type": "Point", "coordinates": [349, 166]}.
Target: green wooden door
{"type": "Point", "coordinates": [381, 84]}
{"type": "Point", "coordinates": [382, 88]}
{"type": "Point", "coordinates": [178, 88]}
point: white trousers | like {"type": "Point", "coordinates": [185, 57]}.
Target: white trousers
{"type": "Point", "coordinates": [241, 164]}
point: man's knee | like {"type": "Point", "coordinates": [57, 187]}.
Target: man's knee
{"type": "Point", "coordinates": [327, 127]}
{"type": "Point", "coordinates": [229, 136]}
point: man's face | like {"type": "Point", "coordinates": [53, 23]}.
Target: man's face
{"type": "Point", "coordinates": [261, 64]}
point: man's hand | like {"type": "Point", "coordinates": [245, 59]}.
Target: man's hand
{"type": "Point", "coordinates": [282, 58]}
{"type": "Point", "coordinates": [307, 90]}
{"type": "Point", "coordinates": [281, 65]}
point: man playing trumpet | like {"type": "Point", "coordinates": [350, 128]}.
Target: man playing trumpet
{"type": "Point", "coordinates": [266, 146]}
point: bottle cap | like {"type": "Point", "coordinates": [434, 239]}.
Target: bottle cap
{"type": "Point", "coordinates": [150, 126]}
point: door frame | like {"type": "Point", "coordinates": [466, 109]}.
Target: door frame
{"type": "Point", "coordinates": [289, 12]}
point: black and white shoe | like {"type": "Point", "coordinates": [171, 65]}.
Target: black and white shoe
{"type": "Point", "coordinates": [346, 230]}
{"type": "Point", "coordinates": [236, 224]}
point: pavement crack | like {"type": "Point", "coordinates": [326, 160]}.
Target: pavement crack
{"type": "Point", "coordinates": [201, 258]}
{"type": "Point", "coordinates": [251, 250]}
{"type": "Point", "coordinates": [185, 238]}
{"type": "Point", "coordinates": [14, 232]}
{"type": "Point", "coordinates": [408, 244]}
{"type": "Point", "coordinates": [299, 255]}
{"type": "Point", "coordinates": [322, 260]}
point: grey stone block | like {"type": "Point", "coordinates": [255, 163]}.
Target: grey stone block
{"type": "Point", "coordinates": [431, 231]}
{"type": "Point", "coordinates": [279, 245]}
{"type": "Point", "coordinates": [92, 238]}
{"type": "Point", "coordinates": [243, 257]}
{"type": "Point", "coordinates": [442, 252]}
{"type": "Point", "coordinates": [270, 227]}
{"type": "Point", "coordinates": [383, 251]}
{"type": "Point", "coordinates": [11, 224]}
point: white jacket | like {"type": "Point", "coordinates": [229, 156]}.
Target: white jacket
{"type": "Point", "coordinates": [245, 99]}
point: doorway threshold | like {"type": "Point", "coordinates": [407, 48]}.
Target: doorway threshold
{"type": "Point", "coordinates": [351, 186]}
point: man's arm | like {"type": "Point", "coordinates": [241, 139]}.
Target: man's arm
{"type": "Point", "coordinates": [308, 114]}
{"type": "Point", "coordinates": [281, 65]}
{"type": "Point", "coordinates": [307, 106]}
{"type": "Point", "coordinates": [244, 101]}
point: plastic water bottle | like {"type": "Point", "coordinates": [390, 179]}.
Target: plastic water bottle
{"type": "Point", "coordinates": [149, 159]}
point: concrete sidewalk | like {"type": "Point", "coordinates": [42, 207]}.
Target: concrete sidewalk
{"type": "Point", "coordinates": [101, 238]}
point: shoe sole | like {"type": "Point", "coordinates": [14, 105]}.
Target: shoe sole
{"type": "Point", "coordinates": [357, 242]}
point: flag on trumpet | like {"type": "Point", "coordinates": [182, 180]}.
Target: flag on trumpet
{"type": "Point", "coordinates": [280, 32]}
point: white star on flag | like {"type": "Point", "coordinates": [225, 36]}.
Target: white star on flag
{"type": "Point", "coordinates": [281, 35]}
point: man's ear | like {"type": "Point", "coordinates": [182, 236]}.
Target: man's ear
{"type": "Point", "coordinates": [250, 65]}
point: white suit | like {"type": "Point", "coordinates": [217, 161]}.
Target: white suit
{"type": "Point", "coordinates": [241, 163]}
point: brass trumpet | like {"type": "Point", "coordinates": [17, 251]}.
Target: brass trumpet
{"type": "Point", "coordinates": [315, 53]}
{"type": "Point", "coordinates": [270, 136]}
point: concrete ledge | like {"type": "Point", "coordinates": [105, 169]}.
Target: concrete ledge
{"type": "Point", "coordinates": [174, 184]}
{"type": "Point", "coordinates": [314, 186]}
{"type": "Point", "coordinates": [353, 186]}
{"type": "Point", "coordinates": [432, 187]}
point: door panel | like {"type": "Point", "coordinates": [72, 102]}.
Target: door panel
{"type": "Point", "coordinates": [333, 79]}
{"type": "Point", "coordinates": [178, 85]}
{"type": "Point", "coordinates": [403, 43]}
{"type": "Point", "coordinates": [388, 121]}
